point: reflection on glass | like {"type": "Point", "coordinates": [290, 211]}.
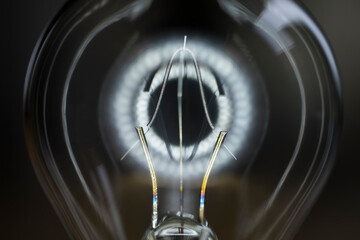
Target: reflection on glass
{"type": "Point", "coordinates": [258, 72]}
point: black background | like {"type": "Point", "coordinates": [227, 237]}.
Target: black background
{"type": "Point", "coordinates": [25, 211]}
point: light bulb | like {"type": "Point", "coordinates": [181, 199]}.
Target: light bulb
{"type": "Point", "coordinates": [127, 105]}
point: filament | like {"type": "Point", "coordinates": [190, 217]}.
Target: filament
{"type": "Point", "coordinates": [203, 98]}
{"type": "Point", "coordinates": [215, 152]}
{"type": "Point", "coordinates": [199, 78]}
{"type": "Point", "coordinates": [166, 78]}
{"type": "Point", "coordinates": [142, 139]}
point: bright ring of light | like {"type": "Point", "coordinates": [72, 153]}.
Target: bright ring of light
{"type": "Point", "coordinates": [130, 107]}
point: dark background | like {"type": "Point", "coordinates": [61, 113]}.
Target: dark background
{"type": "Point", "coordinates": [25, 211]}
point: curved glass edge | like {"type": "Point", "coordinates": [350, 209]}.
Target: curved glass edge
{"type": "Point", "coordinates": [62, 203]}
{"type": "Point", "coordinates": [50, 185]}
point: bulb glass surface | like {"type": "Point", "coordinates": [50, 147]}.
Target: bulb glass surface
{"type": "Point", "coordinates": [268, 78]}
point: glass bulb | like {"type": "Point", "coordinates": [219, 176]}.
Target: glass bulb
{"type": "Point", "coordinates": [128, 102]}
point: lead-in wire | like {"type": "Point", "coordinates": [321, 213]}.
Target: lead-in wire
{"type": "Point", "coordinates": [144, 144]}
{"type": "Point", "coordinates": [215, 152]}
